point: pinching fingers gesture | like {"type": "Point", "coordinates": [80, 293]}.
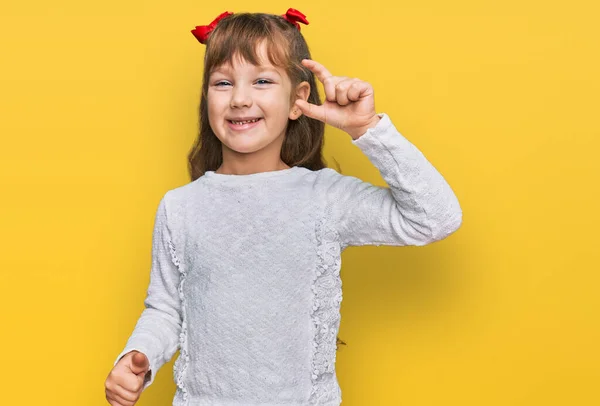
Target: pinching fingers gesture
{"type": "Point", "coordinates": [349, 102]}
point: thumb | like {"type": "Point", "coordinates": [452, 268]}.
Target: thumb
{"type": "Point", "coordinates": [312, 110]}
{"type": "Point", "coordinates": [139, 363]}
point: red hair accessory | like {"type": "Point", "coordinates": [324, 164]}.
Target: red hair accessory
{"type": "Point", "coordinates": [295, 17]}
{"type": "Point", "coordinates": [201, 31]}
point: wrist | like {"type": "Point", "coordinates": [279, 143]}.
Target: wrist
{"type": "Point", "coordinates": [363, 130]}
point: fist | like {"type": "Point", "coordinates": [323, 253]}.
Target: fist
{"type": "Point", "coordinates": [125, 381]}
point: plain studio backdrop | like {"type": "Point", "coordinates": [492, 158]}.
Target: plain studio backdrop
{"type": "Point", "coordinates": [98, 109]}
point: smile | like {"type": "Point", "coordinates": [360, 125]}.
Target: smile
{"type": "Point", "coordinates": [243, 125]}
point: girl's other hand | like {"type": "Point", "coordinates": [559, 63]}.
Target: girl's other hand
{"type": "Point", "coordinates": [349, 102]}
{"type": "Point", "coordinates": [125, 381]}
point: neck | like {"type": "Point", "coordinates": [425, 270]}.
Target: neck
{"type": "Point", "coordinates": [241, 169]}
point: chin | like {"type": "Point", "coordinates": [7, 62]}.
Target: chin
{"type": "Point", "coordinates": [246, 143]}
{"type": "Point", "coordinates": [246, 147]}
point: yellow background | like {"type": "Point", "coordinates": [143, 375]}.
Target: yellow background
{"type": "Point", "coordinates": [98, 108]}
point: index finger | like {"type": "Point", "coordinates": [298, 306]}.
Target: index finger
{"type": "Point", "coordinates": [319, 70]}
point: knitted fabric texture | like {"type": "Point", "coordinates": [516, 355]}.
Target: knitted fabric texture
{"type": "Point", "coordinates": [245, 277]}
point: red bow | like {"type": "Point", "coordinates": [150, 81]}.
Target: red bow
{"type": "Point", "coordinates": [201, 31]}
{"type": "Point", "coordinates": [294, 17]}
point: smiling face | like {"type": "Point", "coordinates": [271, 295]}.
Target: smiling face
{"type": "Point", "coordinates": [241, 91]}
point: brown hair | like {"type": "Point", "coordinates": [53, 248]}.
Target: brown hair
{"type": "Point", "coordinates": [238, 35]}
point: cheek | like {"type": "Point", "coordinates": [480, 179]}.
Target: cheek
{"type": "Point", "coordinates": [216, 100]}
{"type": "Point", "coordinates": [214, 115]}
{"type": "Point", "coordinates": [277, 106]}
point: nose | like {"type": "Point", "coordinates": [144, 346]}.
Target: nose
{"type": "Point", "coordinates": [240, 97]}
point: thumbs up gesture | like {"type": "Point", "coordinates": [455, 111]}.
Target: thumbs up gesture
{"type": "Point", "coordinates": [349, 102]}
{"type": "Point", "coordinates": [125, 381]}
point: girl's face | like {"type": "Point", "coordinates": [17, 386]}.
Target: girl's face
{"type": "Point", "coordinates": [241, 92]}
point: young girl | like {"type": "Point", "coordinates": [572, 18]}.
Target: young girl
{"type": "Point", "coordinates": [245, 276]}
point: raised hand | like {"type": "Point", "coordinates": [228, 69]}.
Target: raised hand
{"type": "Point", "coordinates": [125, 381]}
{"type": "Point", "coordinates": [349, 102]}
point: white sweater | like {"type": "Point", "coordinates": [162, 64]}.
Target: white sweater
{"type": "Point", "coordinates": [245, 276]}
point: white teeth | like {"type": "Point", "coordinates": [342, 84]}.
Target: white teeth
{"type": "Point", "coordinates": [244, 122]}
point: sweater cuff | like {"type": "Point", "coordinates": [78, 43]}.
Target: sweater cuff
{"type": "Point", "coordinates": [381, 127]}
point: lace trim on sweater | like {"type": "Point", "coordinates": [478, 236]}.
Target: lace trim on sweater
{"type": "Point", "coordinates": [327, 296]}
{"type": "Point", "coordinates": [182, 361]}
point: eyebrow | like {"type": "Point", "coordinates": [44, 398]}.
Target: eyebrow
{"type": "Point", "coordinates": [259, 68]}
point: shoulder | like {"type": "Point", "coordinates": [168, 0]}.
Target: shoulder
{"type": "Point", "coordinates": [183, 192]}
{"type": "Point", "coordinates": [326, 176]}
{"type": "Point", "coordinates": [323, 179]}
{"type": "Point", "coordinates": [174, 202]}
{"type": "Point", "coordinates": [335, 187]}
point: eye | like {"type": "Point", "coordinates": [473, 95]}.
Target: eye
{"type": "Point", "coordinates": [218, 84]}
{"type": "Point", "coordinates": [264, 81]}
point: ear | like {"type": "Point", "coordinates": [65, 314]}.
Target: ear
{"type": "Point", "coordinates": [302, 92]}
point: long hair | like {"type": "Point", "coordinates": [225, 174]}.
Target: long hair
{"type": "Point", "coordinates": [238, 35]}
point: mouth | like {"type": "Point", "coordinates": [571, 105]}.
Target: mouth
{"type": "Point", "coordinates": [243, 125]}
{"type": "Point", "coordinates": [240, 122]}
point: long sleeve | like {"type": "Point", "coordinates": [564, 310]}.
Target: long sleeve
{"type": "Point", "coordinates": [157, 331]}
{"type": "Point", "coordinates": [417, 208]}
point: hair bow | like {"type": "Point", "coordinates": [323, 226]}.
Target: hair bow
{"type": "Point", "coordinates": [201, 32]}
{"type": "Point", "coordinates": [295, 17]}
